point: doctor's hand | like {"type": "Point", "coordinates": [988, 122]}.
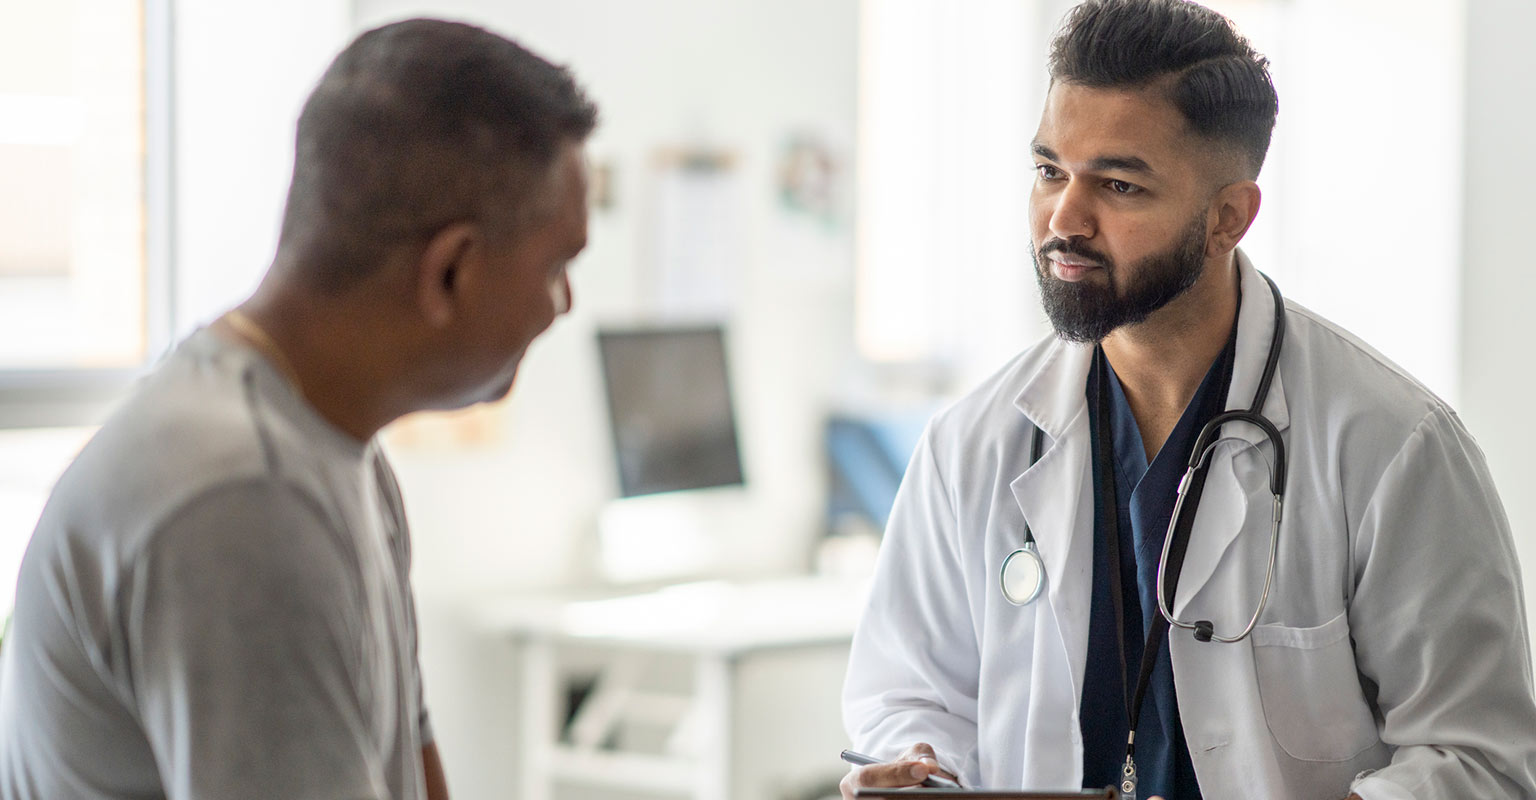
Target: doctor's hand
{"type": "Point", "coordinates": [909, 769]}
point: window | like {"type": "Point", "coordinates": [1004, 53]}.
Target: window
{"type": "Point", "coordinates": [81, 258]}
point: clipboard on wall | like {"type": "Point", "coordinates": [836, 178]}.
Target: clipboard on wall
{"type": "Point", "coordinates": [984, 794]}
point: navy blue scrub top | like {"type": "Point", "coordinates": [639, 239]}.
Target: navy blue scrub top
{"type": "Point", "coordinates": [1145, 494]}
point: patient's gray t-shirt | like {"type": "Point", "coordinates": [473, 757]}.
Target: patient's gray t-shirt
{"type": "Point", "coordinates": [215, 604]}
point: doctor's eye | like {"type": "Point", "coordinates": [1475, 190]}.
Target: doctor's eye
{"type": "Point", "coordinates": [1048, 172]}
{"type": "Point", "coordinates": [1123, 187]}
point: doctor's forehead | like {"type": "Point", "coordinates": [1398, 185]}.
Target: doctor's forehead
{"type": "Point", "coordinates": [1136, 130]}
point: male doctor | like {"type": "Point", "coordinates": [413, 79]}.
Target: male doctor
{"type": "Point", "coordinates": [1389, 656]}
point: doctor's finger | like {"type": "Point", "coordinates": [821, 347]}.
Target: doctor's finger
{"type": "Point", "coordinates": [888, 775]}
{"type": "Point", "coordinates": [924, 753]}
{"type": "Point", "coordinates": [918, 752]}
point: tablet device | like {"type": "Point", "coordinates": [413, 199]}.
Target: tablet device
{"type": "Point", "coordinates": [985, 794]}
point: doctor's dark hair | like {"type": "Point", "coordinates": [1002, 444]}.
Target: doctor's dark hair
{"type": "Point", "coordinates": [416, 125]}
{"type": "Point", "coordinates": [1213, 76]}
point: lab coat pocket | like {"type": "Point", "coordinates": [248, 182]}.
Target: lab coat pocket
{"type": "Point", "coordinates": [1311, 691]}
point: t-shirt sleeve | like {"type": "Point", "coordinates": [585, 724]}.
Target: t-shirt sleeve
{"type": "Point", "coordinates": [244, 630]}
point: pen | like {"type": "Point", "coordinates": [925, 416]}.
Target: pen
{"type": "Point", "coordinates": [932, 781]}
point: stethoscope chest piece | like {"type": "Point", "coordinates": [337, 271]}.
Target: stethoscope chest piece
{"type": "Point", "coordinates": [1023, 575]}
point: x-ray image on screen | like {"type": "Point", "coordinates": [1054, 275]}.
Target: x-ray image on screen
{"type": "Point", "coordinates": [669, 402]}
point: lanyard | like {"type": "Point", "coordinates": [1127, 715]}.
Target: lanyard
{"type": "Point", "coordinates": [1103, 454]}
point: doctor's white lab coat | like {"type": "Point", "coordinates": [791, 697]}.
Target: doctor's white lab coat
{"type": "Point", "coordinates": [1391, 660]}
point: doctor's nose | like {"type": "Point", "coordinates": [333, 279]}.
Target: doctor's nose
{"type": "Point", "coordinates": [1070, 215]}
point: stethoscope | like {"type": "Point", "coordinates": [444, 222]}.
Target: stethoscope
{"type": "Point", "coordinates": [1023, 572]}
{"type": "Point", "coordinates": [1178, 528]}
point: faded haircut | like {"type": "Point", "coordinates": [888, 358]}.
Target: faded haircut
{"type": "Point", "coordinates": [1213, 76]}
{"type": "Point", "coordinates": [416, 125]}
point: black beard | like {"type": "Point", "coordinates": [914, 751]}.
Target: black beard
{"type": "Point", "coordinates": [1088, 311]}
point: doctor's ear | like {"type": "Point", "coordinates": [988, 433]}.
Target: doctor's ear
{"type": "Point", "coordinates": [439, 272]}
{"type": "Point", "coordinates": [1230, 215]}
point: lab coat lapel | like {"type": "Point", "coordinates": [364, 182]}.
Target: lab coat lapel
{"type": "Point", "coordinates": [1052, 495]}
{"type": "Point", "coordinates": [1223, 509]}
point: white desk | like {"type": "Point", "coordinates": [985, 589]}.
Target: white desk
{"type": "Point", "coordinates": [734, 635]}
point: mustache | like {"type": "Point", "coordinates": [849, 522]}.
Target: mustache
{"type": "Point", "coordinates": [1073, 247]}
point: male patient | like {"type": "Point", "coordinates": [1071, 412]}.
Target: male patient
{"type": "Point", "coordinates": [215, 603]}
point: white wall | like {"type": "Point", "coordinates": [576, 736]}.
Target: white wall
{"type": "Point", "coordinates": [950, 96]}
{"type": "Point", "coordinates": [1356, 204]}
{"type": "Point", "coordinates": [241, 72]}
{"type": "Point", "coordinates": [1498, 270]}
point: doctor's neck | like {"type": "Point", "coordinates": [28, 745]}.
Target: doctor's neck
{"type": "Point", "coordinates": [1162, 360]}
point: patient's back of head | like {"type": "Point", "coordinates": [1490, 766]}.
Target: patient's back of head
{"type": "Point", "coordinates": [417, 125]}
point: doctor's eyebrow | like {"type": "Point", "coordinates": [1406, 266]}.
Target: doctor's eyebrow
{"type": "Point", "coordinates": [1101, 163]}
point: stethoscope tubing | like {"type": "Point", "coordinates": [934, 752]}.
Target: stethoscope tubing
{"type": "Point", "coordinates": [1204, 630]}
{"type": "Point", "coordinates": [1269, 572]}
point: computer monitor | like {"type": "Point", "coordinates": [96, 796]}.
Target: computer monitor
{"type": "Point", "coordinates": [669, 406]}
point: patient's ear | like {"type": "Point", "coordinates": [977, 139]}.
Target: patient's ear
{"type": "Point", "coordinates": [439, 270]}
